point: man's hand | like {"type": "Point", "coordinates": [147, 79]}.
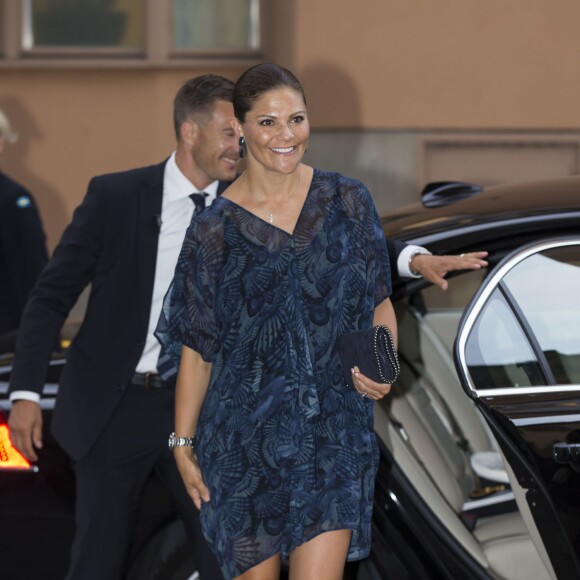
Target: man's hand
{"type": "Point", "coordinates": [435, 268]}
{"type": "Point", "coordinates": [25, 423]}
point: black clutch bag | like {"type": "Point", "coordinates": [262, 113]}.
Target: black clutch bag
{"type": "Point", "coordinates": [371, 350]}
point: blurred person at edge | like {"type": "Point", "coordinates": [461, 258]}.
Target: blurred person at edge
{"type": "Point", "coordinates": [114, 410]}
{"type": "Point", "coordinates": [22, 247]}
{"type": "Point", "coordinates": [259, 297]}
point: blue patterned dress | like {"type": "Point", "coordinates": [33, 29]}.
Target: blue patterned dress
{"type": "Point", "coordinates": [286, 449]}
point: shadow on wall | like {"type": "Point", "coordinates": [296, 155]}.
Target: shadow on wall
{"type": "Point", "coordinates": [331, 93]}
{"type": "Point", "coordinates": [383, 160]}
{"type": "Point", "coordinates": [15, 163]}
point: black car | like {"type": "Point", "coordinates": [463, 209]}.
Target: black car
{"type": "Point", "coordinates": [479, 439]}
{"type": "Point", "coordinates": [485, 485]}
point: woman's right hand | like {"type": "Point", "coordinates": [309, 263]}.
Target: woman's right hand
{"type": "Point", "coordinates": [191, 475]}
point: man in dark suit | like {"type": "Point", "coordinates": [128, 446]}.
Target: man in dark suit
{"type": "Point", "coordinates": [22, 247]}
{"type": "Point", "coordinates": [114, 412]}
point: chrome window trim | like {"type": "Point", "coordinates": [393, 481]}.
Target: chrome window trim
{"type": "Point", "coordinates": [482, 299]}
{"type": "Point", "coordinates": [457, 232]}
{"type": "Point", "coordinates": [546, 420]}
{"type": "Point", "coordinates": [491, 393]}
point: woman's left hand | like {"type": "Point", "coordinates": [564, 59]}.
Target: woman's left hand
{"type": "Point", "coordinates": [368, 388]}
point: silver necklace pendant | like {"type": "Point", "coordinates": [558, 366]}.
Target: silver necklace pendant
{"type": "Point", "coordinates": [245, 185]}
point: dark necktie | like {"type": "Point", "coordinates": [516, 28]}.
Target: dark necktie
{"type": "Point", "coordinates": [165, 367]}
{"type": "Point", "coordinates": [199, 201]}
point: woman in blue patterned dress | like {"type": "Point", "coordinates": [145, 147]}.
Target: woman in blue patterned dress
{"type": "Point", "coordinates": [283, 263]}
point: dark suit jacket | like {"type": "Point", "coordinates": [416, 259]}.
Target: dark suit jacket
{"type": "Point", "coordinates": [22, 250]}
{"type": "Point", "coordinates": [394, 247]}
{"type": "Point", "coordinates": [111, 244]}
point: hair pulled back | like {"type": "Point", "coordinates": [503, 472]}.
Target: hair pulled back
{"type": "Point", "coordinates": [258, 80]}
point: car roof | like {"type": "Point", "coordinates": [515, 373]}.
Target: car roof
{"type": "Point", "coordinates": [537, 201]}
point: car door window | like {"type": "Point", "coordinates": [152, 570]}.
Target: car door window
{"type": "Point", "coordinates": [498, 353]}
{"type": "Point", "coordinates": [528, 331]}
{"type": "Point", "coordinates": [546, 288]}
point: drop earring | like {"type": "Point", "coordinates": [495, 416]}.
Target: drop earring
{"type": "Point", "coordinates": [242, 147]}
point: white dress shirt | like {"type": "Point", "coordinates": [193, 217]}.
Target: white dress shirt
{"type": "Point", "coordinates": [404, 260]}
{"type": "Point", "coordinates": [176, 213]}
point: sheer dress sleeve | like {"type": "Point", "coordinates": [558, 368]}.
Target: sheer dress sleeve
{"type": "Point", "coordinates": [188, 315]}
{"type": "Point", "coordinates": [378, 253]}
{"type": "Point", "coordinates": [383, 286]}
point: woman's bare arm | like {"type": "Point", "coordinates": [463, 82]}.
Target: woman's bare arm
{"type": "Point", "coordinates": [192, 383]}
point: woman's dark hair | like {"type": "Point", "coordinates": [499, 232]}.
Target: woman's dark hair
{"type": "Point", "coordinates": [258, 80]}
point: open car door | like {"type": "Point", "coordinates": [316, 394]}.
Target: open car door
{"type": "Point", "coordinates": [517, 353]}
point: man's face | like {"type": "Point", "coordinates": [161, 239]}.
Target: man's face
{"type": "Point", "coordinates": [215, 150]}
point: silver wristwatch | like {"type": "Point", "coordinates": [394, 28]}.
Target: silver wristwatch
{"type": "Point", "coordinates": [181, 441]}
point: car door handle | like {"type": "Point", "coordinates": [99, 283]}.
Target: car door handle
{"type": "Point", "coordinates": [567, 453]}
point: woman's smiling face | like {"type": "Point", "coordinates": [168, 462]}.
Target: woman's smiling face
{"type": "Point", "coordinates": [276, 130]}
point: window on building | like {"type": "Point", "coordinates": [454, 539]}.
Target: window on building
{"type": "Point", "coordinates": [132, 31]}
{"type": "Point", "coordinates": [216, 24]}
{"type": "Point", "coordinates": [86, 23]}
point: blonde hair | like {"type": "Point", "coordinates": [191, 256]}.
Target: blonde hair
{"type": "Point", "coordinates": [6, 130]}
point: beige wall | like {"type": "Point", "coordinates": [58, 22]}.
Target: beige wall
{"type": "Point", "coordinates": [447, 64]}
{"type": "Point", "coordinates": [387, 69]}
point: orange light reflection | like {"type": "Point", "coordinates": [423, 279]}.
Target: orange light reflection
{"type": "Point", "coordinates": [10, 458]}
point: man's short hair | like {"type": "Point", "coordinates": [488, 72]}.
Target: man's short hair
{"type": "Point", "coordinates": [196, 98]}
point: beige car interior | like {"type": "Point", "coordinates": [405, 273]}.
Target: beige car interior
{"type": "Point", "coordinates": [434, 431]}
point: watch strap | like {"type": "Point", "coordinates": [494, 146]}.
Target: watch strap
{"type": "Point", "coordinates": [175, 441]}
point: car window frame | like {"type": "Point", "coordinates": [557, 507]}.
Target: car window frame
{"type": "Point", "coordinates": [478, 303]}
